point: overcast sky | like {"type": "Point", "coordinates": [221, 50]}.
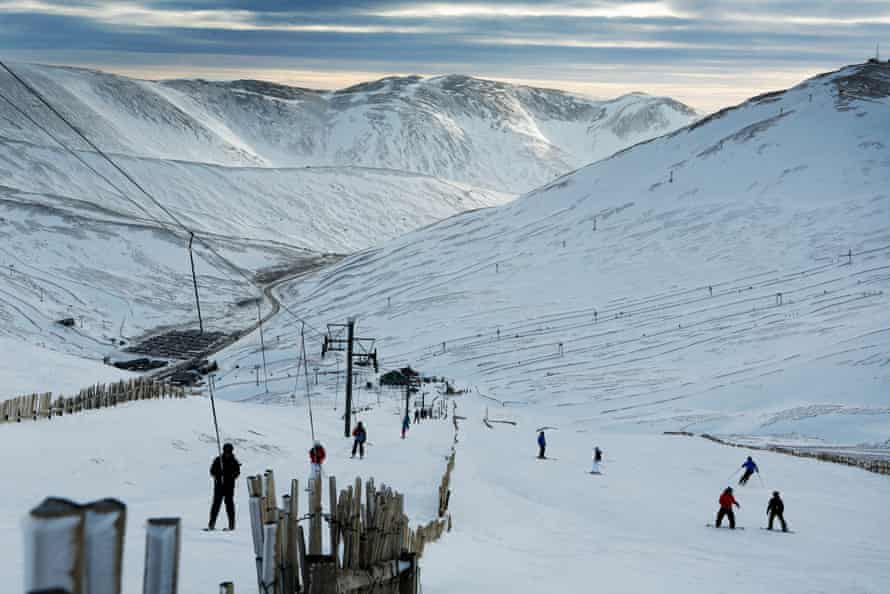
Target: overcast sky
{"type": "Point", "coordinates": [708, 53]}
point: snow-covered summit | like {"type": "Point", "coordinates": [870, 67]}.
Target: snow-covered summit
{"type": "Point", "coordinates": [489, 134]}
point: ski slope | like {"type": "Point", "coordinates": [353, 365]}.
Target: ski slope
{"type": "Point", "coordinates": [532, 306]}
{"type": "Point", "coordinates": [520, 524]}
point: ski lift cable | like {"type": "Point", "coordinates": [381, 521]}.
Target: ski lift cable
{"type": "Point", "coordinates": [231, 265]}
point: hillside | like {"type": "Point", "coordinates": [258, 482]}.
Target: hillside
{"type": "Point", "coordinates": [483, 133]}
{"type": "Point", "coordinates": [714, 294]}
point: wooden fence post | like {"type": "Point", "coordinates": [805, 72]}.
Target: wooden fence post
{"type": "Point", "coordinates": [54, 546]}
{"type": "Point", "coordinates": [162, 542]}
{"type": "Point", "coordinates": [104, 526]}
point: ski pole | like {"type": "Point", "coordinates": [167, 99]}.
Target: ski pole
{"type": "Point", "coordinates": [735, 472]}
{"type": "Point", "coordinates": [760, 479]}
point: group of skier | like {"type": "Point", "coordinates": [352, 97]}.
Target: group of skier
{"type": "Point", "coordinates": [775, 509]}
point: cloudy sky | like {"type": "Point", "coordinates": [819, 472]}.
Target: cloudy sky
{"type": "Point", "coordinates": [709, 53]}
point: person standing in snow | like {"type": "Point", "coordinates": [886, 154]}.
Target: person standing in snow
{"type": "Point", "coordinates": [726, 502]}
{"type": "Point", "coordinates": [542, 445]}
{"type": "Point", "coordinates": [776, 509]}
{"type": "Point", "coordinates": [225, 470]}
{"type": "Point", "coordinates": [597, 460]}
{"type": "Point", "coordinates": [750, 468]}
{"type": "Point", "coordinates": [317, 456]}
{"type": "Point", "coordinates": [406, 422]}
{"type": "Point", "coordinates": [361, 436]}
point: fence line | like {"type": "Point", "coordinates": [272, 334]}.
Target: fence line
{"type": "Point", "coordinates": [876, 466]}
{"type": "Point", "coordinates": [371, 545]}
{"type": "Point", "coordinates": [43, 406]}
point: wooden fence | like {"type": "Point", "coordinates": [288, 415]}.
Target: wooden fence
{"type": "Point", "coordinates": [78, 549]}
{"type": "Point", "coordinates": [872, 465]}
{"type": "Point", "coordinates": [44, 406]}
{"type": "Point", "coordinates": [370, 544]}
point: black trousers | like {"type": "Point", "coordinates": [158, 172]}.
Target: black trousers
{"type": "Point", "coordinates": [745, 477]}
{"type": "Point", "coordinates": [728, 513]}
{"type": "Point", "coordinates": [541, 449]}
{"type": "Point", "coordinates": [358, 446]}
{"type": "Point", "coordinates": [218, 496]}
{"type": "Point", "coordinates": [773, 516]}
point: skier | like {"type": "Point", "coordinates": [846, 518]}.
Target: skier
{"type": "Point", "coordinates": [406, 422]}
{"type": "Point", "coordinates": [726, 503]}
{"type": "Point", "coordinates": [542, 445]}
{"type": "Point", "coordinates": [225, 470]}
{"type": "Point", "coordinates": [416, 415]}
{"type": "Point", "coordinates": [750, 468]}
{"type": "Point", "coordinates": [597, 460]}
{"type": "Point", "coordinates": [776, 509]}
{"type": "Point", "coordinates": [361, 436]}
{"type": "Point", "coordinates": [317, 456]}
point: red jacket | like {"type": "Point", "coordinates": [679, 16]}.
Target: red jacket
{"type": "Point", "coordinates": [317, 455]}
{"type": "Point", "coordinates": [727, 501]}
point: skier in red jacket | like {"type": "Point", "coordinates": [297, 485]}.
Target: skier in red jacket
{"type": "Point", "coordinates": [726, 502]}
{"type": "Point", "coordinates": [316, 459]}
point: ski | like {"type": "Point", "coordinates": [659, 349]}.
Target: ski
{"type": "Point", "coordinates": [778, 531]}
{"type": "Point", "coordinates": [725, 527]}
{"type": "Point", "coordinates": [546, 458]}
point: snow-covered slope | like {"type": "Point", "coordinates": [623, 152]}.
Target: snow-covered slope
{"type": "Point", "coordinates": [699, 281]}
{"type": "Point", "coordinates": [485, 133]}
{"type": "Point", "coordinates": [73, 246]}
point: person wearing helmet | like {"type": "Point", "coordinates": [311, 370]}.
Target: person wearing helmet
{"type": "Point", "coordinates": [225, 470]}
{"type": "Point", "coordinates": [317, 456]}
{"type": "Point", "coordinates": [726, 502]}
{"type": "Point", "coordinates": [776, 509]}
{"type": "Point", "coordinates": [750, 468]}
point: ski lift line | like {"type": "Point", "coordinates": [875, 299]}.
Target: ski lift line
{"type": "Point", "coordinates": [76, 155]}
{"type": "Point", "coordinates": [788, 276]}
{"type": "Point", "coordinates": [136, 184]}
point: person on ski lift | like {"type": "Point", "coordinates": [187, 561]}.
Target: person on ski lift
{"type": "Point", "coordinates": [750, 468]}
{"type": "Point", "coordinates": [317, 456]}
{"type": "Point", "coordinates": [225, 470]}
{"type": "Point", "coordinates": [360, 436]}
{"type": "Point", "coordinates": [726, 502]}
{"type": "Point", "coordinates": [775, 509]}
{"type": "Point", "coordinates": [542, 445]}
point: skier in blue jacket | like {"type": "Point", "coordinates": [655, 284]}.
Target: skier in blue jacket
{"type": "Point", "coordinates": [542, 445]}
{"type": "Point", "coordinates": [750, 468]}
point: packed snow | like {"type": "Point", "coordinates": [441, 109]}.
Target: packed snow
{"type": "Point", "coordinates": [730, 278]}
{"type": "Point", "coordinates": [483, 133]}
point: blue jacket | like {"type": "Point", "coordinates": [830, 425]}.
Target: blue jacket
{"type": "Point", "coordinates": [749, 465]}
{"type": "Point", "coordinates": [541, 440]}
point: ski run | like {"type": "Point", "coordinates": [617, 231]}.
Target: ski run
{"type": "Point", "coordinates": [728, 278]}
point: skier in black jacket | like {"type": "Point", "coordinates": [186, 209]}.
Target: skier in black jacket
{"type": "Point", "coordinates": [225, 471]}
{"type": "Point", "coordinates": [776, 509]}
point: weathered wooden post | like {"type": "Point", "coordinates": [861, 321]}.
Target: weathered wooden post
{"type": "Point", "coordinates": [293, 547]}
{"type": "Point", "coordinates": [104, 526]}
{"type": "Point", "coordinates": [162, 542]}
{"type": "Point", "coordinates": [315, 516]}
{"type": "Point", "coordinates": [332, 495]}
{"type": "Point", "coordinates": [270, 559]}
{"type": "Point", "coordinates": [54, 547]}
{"type": "Point", "coordinates": [254, 487]}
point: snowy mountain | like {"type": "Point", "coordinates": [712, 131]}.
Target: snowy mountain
{"type": "Point", "coordinates": [697, 282]}
{"type": "Point", "coordinates": [484, 133]}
